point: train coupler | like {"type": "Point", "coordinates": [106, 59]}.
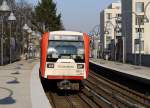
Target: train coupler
{"type": "Point", "coordinates": [68, 85]}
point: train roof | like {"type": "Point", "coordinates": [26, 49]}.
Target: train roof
{"type": "Point", "coordinates": [66, 33]}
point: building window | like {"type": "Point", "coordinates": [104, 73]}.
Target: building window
{"type": "Point", "coordinates": [137, 36]}
{"type": "Point", "coordinates": [108, 16]}
{"type": "Point", "coordinates": [137, 47]}
{"type": "Point", "coordinates": [139, 6]}
{"type": "Point", "coordinates": [118, 15]}
{"type": "Point", "coordinates": [137, 32]}
{"type": "Point", "coordinates": [139, 20]}
{"type": "Point", "coordinates": [117, 7]}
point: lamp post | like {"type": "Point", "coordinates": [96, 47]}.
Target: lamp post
{"type": "Point", "coordinates": [124, 44]}
{"type": "Point", "coordinates": [145, 20]}
{"type": "Point", "coordinates": [118, 28]}
{"type": "Point", "coordinates": [95, 43]}
{"type": "Point", "coordinates": [115, 28]}
{"type": "Point", "coordinates": [124, 37]}
{"type": "Point", "coordinates": [140, 21]}
{"type": "Point", "coordinates": [114, 45]}
{"type": "Point", "coordinates": [28, 40]}
{"type": "Point", "coordinates": [4, 8]}
{"type": "Point", "coordinates": [11, 18]}
{"type": "Point", "coordinates": [145, 9]}
{"type": "Point", "coordinates": [106, 51]}
{"type": "Point", "coordinates": [25, 27]}
{"type": "Point", "coordinates": [21, 28]}
{"type": "Point", "coordinates": [33, 44]}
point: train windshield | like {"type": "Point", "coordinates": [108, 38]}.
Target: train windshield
{"type": "Point", "coordinates": [66, 49]}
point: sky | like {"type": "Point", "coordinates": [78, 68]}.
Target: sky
{"type": "Point", "coordinates": [80, 15]}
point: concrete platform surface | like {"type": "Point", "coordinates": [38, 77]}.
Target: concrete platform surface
{"type": "Point", "coordinates": [137, 71]}
{"type": "Point", "coordinates": [20, 86]}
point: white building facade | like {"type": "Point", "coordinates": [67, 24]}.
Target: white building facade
{"type": "Point", "coordinates": [136, 29]}
{"type": "Point", "coordinates": [108, 22]}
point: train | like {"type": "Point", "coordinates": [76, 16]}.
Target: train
{"type": "Point", "coordinates": [65, 58]}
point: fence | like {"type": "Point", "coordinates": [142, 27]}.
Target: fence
{"type": "Point", "coordinates": [134, 59]}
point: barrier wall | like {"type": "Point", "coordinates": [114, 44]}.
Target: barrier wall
{"type": "Point", "coordinates": [134, 59]}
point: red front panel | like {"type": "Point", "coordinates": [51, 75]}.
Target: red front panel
{"type": "Point", "coordinates": [44, 45]}
{"type": "Point", "coordinates": [87, 47]}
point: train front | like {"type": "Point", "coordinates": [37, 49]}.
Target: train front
{"type": "Point", "coordinates": [67, 60]}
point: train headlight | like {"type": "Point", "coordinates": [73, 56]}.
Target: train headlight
{"type": "Point", "coordinates": [50, 65]}
{"type": "Point", "coordinates": [80, 66]}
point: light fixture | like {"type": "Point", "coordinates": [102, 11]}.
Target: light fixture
{"type": "Point", "coordinates": [117, 29]}
{"type": "Point", "coordinates": [12, 17]}
{"type": "Point", "coordinates": [106, 32]}
{"type": "Point", "coordinates": [29, 30]}
{"type": "Point", "coordinates": [146, 20]}
{"type": "Point", "coordinates": [25, 27]}
{"type": "Point", "coordinates": [4, 7]}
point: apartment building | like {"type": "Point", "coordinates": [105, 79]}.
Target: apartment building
{"type": "Point", "coordinates": [109, 20]}
{"type": "Point", "coordinates": [136, 29]}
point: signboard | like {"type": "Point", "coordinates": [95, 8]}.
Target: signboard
{"type": "Point", "coordinates": [66, 37]}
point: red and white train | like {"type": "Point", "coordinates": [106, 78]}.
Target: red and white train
{"type": "Point", "coordinates": [65, 58]}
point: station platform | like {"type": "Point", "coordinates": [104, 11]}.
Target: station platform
{"type": "Point", "coordinates": [20, 86]}
{"type": "Point", "coordinates": [133, 71]}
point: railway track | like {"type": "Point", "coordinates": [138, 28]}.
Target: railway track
{"type": "Point", "coordinates": [117, 95]}
{"type": "Point", "coordinates": [70, 101]}
{"type": "Point", "coordinates": [99, 92]}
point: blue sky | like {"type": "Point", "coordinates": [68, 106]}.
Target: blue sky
{"type": "Point", "coordinates": [80, 15]}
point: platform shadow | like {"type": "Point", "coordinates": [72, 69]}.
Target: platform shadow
{"type": "Point", "coordinates": [8, 99]}
{"type": "Point", "coordinates": [13, 82]}
{"type": "Point", "coordinates": [16, 73]}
